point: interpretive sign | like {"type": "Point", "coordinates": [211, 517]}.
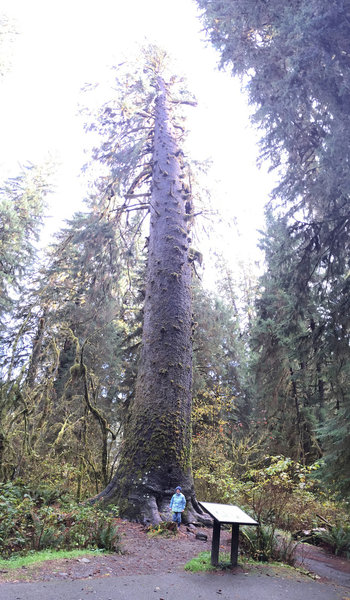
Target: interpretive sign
{"type": "Point", "coordinates": [226, 513]}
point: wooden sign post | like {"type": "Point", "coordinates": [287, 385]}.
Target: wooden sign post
{"type": "Point", "coordinates": [226, 513]}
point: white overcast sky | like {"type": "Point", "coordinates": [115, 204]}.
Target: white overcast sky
{"type": "Point", "coordinates": [63, 44]}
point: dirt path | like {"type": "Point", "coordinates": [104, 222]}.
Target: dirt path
{"type": "Point", "coordinates": [142, 555]}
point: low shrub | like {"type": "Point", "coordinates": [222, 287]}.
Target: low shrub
{"type": "Point", "coordinates": [264, 544]}
{"type": "Point", "coordinates": [278, 491]}
{"type": "Point", "coordinates": [259, 543]}
{"type": "Point", "coordinates": [165, 528]}
{"type": "Point", "coordinates": [337, 539]}
{"type": "Point", "coordinates": [27, 524]}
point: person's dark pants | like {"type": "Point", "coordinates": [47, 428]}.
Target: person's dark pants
{"type": "Point", "coordinates": [177, 518]}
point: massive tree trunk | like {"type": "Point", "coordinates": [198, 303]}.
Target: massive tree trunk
{"type": "Point", "coordinates": [156, 452]}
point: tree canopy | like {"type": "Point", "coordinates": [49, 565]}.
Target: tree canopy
{"type": "Point", "coordinates": [294, 64]}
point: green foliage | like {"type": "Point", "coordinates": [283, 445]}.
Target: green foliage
{"type": "Point", "coordinates": [70, 373]}
{"type": "Point", "coordinates": [336, 538]}
{"type": "Point", "coordinates": [223, 449]}
{"type": "Point", "coordinates": [222, 457]}
{"type": "Point", "coordinates": [202, 562]}
{"type": "Point", "coordinates": [334, 432]}
{"type": "Point", "coordinates": [218, 354]}
{"type": "Point", "coordinates": [22, 202]}
{"type": "Point", "coordinates": [107, 536]}
{"type": "Point", "coordinates": [28, 525]}
{"type": "Point", "coordinates": [214, 472]}
{"type": "Point", "coordinates": [280, 493]}
{"type": "Point", "coordinates": [165, 529]}
{"type": "Point", "coordinates": [259, 542]}
{"type": "Point", "coordinates": [293, 59]}
{"type": "Point", "coordinates": [301, 361]}
{"type": "Point", "coordinates": [285, 495]}
{"type": "Point", "coordinates": [264, 544]}
{"type": "Point", "coordinates": [271, 487]}
{"type": "Point", "coordinates": [199, 563]}
{"type": "Point", "coordinates": [287, 361]}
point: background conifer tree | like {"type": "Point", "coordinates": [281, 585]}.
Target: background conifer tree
{"type": "Point", "coordinates": [294, 60]}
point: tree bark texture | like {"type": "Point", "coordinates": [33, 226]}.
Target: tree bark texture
{"type": "Point", "coordinates": [156, 452]}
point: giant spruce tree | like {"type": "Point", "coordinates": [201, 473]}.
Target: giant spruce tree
{"type": "Point", "coordinates": [148, 172]}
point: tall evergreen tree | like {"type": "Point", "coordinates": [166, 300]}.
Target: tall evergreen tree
{"type": "Point", "coordinates": [67, 368]}
{"type": "Point", "coordinates": [217, 361]}
{"type": "Point", "coordinates": [294, 59]}
{"type": "Point", "coordinates": [288, 363]}
{"type": "Point", "coordinates": [146, 161]}
{"type": "Point", "coordinates": [22, 203]}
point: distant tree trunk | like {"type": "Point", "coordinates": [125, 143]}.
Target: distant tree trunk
{"type": "Point", "coordinates": [156, 452]}
{"type": "Point", "coordinates": [37, 349]}
{"type": "Point", "coordinates": [66, 361]}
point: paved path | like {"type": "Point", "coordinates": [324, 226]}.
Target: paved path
{"type": "Point", "coordinates": [178, 586]}
{"type": "Point", "coordinates": [327, 566]}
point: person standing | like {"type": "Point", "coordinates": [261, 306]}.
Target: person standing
{"type": "Point", "coordinates": [177, 505]}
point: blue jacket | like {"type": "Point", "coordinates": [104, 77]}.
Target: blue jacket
{"type": "Point", "coordinates": [178, 502]}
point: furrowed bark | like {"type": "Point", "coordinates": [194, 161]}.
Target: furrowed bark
{"type": "Point", "coordinates": [156, 452]}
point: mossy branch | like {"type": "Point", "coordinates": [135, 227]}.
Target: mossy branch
{"type": "Point", "coordinates": [93, 409]}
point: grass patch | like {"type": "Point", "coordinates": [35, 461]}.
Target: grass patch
{"type": "Point", "coordinates": [202, 562]}
{"type": "Point", "coordinates": [16, 562]}
{"type": "Point", "coordinates": [199, 563]}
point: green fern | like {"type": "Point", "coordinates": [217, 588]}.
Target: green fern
{"type": "Point", "coordinates": [337, 538]}
{"type": "Point", "coordinates": [108, 538]}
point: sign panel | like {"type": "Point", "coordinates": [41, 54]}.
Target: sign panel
{"type": "Point", "coordinates": [227, 513]}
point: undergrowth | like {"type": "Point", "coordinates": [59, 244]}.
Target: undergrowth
{"type": "Point", "coordinates": [28, 524]}
{"type": "Point", "coordinates": [202, 562]}
{"type": "Point", "coordinates": [165, 529]}
{"type": "Point", "coordinates": [337, 539]}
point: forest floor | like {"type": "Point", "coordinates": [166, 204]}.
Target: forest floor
{"type": "Point", "coordinates": [161, 557]}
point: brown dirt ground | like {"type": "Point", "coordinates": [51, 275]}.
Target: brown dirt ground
{"type": "Point", "coordinates": [143, 554]}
